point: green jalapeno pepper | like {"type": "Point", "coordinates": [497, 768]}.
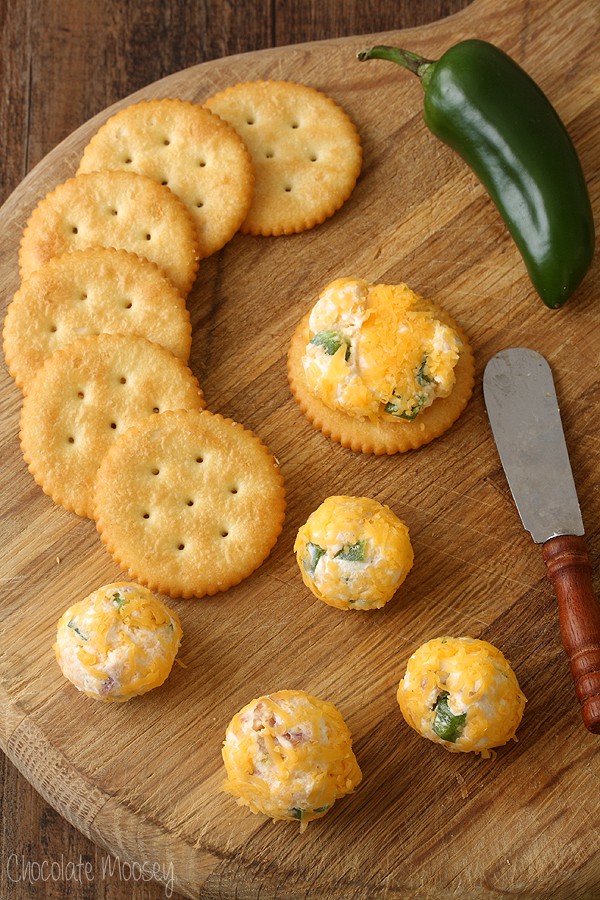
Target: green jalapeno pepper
{"type": "Point", "coordinates": [484, 106]}
{"type": "Point", "coordinates": [353, 552]}
{"type": "Point", "coordinates": [314, 554]}
{"type": "Point", "coordinates": [331, 342]}
{"type": "Point", "coordinates": [446, 724]}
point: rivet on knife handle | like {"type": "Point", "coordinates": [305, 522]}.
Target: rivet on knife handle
{"type": "Point", "coordinates": [570, 571]}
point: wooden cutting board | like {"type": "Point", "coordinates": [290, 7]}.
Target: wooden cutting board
{"type": "Point", "coordinates": [143, 779]}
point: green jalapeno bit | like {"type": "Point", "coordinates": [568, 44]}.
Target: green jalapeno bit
{"type": "Point", "coordinates": [297, 813]}
{"type": "Point", "coordinates": [331, 341]}
{"type": "Point", "coordinates": [421, 376]}
{"type": "Point", "coordinates": [446, 724]}
{"type": "Point", "coordinates": [314, 555]}
{"type": "Point", "coordinates": [353, 552]}
{"type": "Point", "coordinates": [401, 412]}
{"type": "Point", "coordinates": [484, 106]}
{"type": "Point", "coordinates": [119, 601]}
{"type": "Point", "coordinates": [71, 624]}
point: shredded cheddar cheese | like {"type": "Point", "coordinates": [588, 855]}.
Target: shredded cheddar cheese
{"type": "Point", "coordinates": [353, 552]}
{"type": "Point", "coordinates": [378, 350]}
{"type": "Point", "coordinates": [289, 756]}
{"type": "Point", "coordinates": [117, 643]}
{"type": "Point", "coordinates": [461, 693]}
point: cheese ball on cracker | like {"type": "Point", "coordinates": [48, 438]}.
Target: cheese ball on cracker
{"type": "Point", "coordinates": [117, 643]}
{"type": "Point", "coordinates": [378, 350]}
{"type": "Point", "coordinates": [353, 553]}
{"type": "Point", "coordinates": [289, 756]}
{"type": "Point", "coordinates": [462, 694]}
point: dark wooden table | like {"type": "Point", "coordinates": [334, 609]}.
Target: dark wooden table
{"type": "Point", "coordinates": [61, 62]}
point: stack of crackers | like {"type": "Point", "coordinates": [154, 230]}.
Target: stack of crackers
{"type": "Point", "coordinates": [98, 336]}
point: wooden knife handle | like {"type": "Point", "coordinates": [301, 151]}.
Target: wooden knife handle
{"type": "Point", "coordinates": [570, 571]}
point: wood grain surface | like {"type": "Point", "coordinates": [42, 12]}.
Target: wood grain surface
{"type": "Point", "coordinates": [143, 780]}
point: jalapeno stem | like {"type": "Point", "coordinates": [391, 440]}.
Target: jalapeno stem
{"type": "Point", "coordinates": [418, 65]}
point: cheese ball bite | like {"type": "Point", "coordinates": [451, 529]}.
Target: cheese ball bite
{"type": "Point", "coordinates": [353, 553]}
{"type": "Point", "coordinates": [462, 694]}
{"type": "Point", "coordinates": [378, 351]}
{"type": "Point", "coordinates": [118, 643]}
{"type": "Point", "coordinates": [289, 756]}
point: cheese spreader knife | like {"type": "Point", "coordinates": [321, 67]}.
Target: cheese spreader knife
{"type": "Point", "coordinates": [523, 411]}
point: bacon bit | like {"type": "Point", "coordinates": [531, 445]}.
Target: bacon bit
{"type": "Point", "coordinates": [260, 718]}
{"type": "Point", "coordinates": [107, 684]}
{"type": "Point", "coordinates": [294, 737]}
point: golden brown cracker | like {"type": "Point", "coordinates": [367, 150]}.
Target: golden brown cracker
{"type": "Point", "coordinates": [189, 503]}
{"type": "Point", "coordinates": [384, 435]}
{"type": "Point", "coordinates": [113, 209]}
{"type": "Point", "coordinates": [89, 292]}
{"type": "Point", "coordinates": [87, 394]}
{"type": "Point", "coordinates": [199, 156]}
{"type": "Point", "coordinates": [306, 152]}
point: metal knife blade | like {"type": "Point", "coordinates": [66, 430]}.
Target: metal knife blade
{"type": "Point", "coordinates": [521, 403]}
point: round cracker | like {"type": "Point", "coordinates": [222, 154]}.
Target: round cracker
{"type": "Point", "coordinates": [305, 149]}
{"type": "Point", "coordinates": [189, 503]}
{"type": "Point", "coordinates": [384, 435]}
{"type": "Point", "coordinates": [200, 157]}
{"type": "Point", "coordinates": [89, 292]}
{"type": "Point", "coordinates": [113, 209]}
{"type": "Point", "coordinates": [84, 396]}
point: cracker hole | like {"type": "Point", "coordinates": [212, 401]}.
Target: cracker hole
{"type": "Point", "coordinates": [53, 328]}
{"type": "Point", "coordinates": [128, 160]}
{"type": "Point", "coordinates": [199, 459]}
{"type": "Point", "coordinates": [288, 188]}
{"type": "Point", "coordinates": [155, 409]}
{"type": "Point", "coordinates": [148, 237]}
{"type": "Point", "coordinates": [295, 124]}
{"type": "Point", "coordinates": [155, 470]}
{"type": "Point", "coordinates": [113, 425]}
{"type": "Point", "coordinates": [202, 163]}
{"type": "Point", "coordinates": [199, 204]}
{"type": "Point", "coordinates": [80, 394]}
{"type": "Point", "coordinates": [233, 490]}
{"type": "Point", "coordinates": [190, 503]}
{"type": "Point", "coordinates": [166, 142]}
{"type": "Point", "coordinates": [74, 229]}
{"type": "Point", "coordinates": [165, 183]}
{"type": "Point", "coordinates": [269, 154]}
{"type": "Point", "coordinates": [181, 547]}
{"type": "Point", "coordinates": [70, 439]}
{"type": "Point", "coordinates": [128, 304]}
{"type": "Point", "coordinates": [224, 532]}
{"type": "Point", "coordinates": [113, 212]}
{"type": "Point", "coordinates": [250, 120]}
{"type": "Point", "coordinates": [146, 516]}
{"type": "Point", "coordinates": [83, 297]}
{"type": "Point", "coordinates": [313, 157]}
{"type": "Point", "coordinates": [122, 380]}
